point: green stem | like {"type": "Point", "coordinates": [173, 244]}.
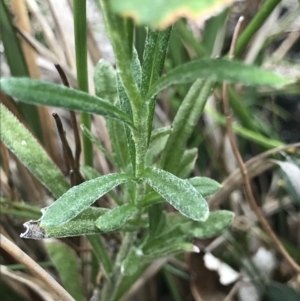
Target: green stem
{"type": "Point", "coordinates": [255, 24]}
{"type": "Point", "coordinates": [110, 288]}
{"type": "Point", "coordinates": [101, 253]}
{"type": "Point", "coordinates": [82, 70]}
{"type": "Point", "coordinates": [171, 284]}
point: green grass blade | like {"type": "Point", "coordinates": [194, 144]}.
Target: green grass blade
{"type": "Point", "coordinates": [18, 139]}
{"type": "Point", "coordinates": [248, 134]}
{"type": "Point", "coordinates": [79, 8]}
{"type": "Point", "coordinates": [17, 66]}
{"type": "Point", "coordinates": [66, 263]}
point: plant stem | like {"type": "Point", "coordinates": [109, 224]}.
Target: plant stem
{"type": "Point", "coordinates": [255, 24]}
{"type": "Point", "coordinates": [110, 288]}
{"type": "Point", "coordinates": [101, 253]}
{"type": "Point", "coordinates": [82, 70]}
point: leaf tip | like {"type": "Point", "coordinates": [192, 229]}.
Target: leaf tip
{"type": "Point", "coordinates": [33, 231]}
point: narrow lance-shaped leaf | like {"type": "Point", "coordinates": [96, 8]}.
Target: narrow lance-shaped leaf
{"type": "Point", "coordinates": [116, 217]}
{"type": "Point", "coordinates": [205, 186]}
{"type": "Point", "coordinates": [106, 85]}
{"type": "Point", "coordinates": [20, 141]}
{"type": "Point", "coordinates": [153, 62]}
{"type": "Point", "coordinates": [179, 193]}
{"type": "Point", "coordinates": [48, 94]}
{"type": "Point", "coordinates": [184, 123]}
{"type": "Point", "coordinates": [125, 102]}
{"type": "Point", "coordinates": [82, 224]}
{"type": "Point", "coordinates": [215, 223]}
{"type": "Point", "coordinates": [78, 198]}
{"type": "Point", "coordinates": [218, 70]}
{"type": "Point", "coordinates": [187, 163]}
{"type": "Point", "coordinates": [66, 263]}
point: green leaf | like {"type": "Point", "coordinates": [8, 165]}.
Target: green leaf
{"type": "Point", "coordinates": [179, 193]}
{"type": "Point", "coordinates": [116, 217]}
{"type": "Point", "coordinates": [277, 291]}
{"type": "Point", "coordinates": [106, 84]}
{"type": "Point", "coordinates": [160, 133]}
{"type": "Point", "coordinates": [66, 263]}
{"type": "Point", "coordinates": [184, 122]}
{"type": "Point", "coordinates": [153, 62]}
{"type": "Point", "coordinates": [155, 149]}
{"type": "Point", "coordinates": [78, 198]}
{"type": "Point", "coordinates": [20, 141]}
{"type": "Point", "coordinates": [105, 79]}
{"type": "Point", "coordinates": [48, 94]}
{"type": "Point", "coordinates": [205, 186]}
{"type": "Point", "coordinates": [169, 249]}
{"type": "Point", "coordinates": [133, 261]}
{"type": "Point", "coordinates": [125, 102]}
{"type": "Point", "coordinates": [215, 223]}
{"type": "Point", "coordinates": [218, 70]}
{"type": "Point", "coordinates": [187, 163]}
{"type": "Point", "coordinates": [83, 224]}
{"type": "Point", "coordinates": [160, 14]}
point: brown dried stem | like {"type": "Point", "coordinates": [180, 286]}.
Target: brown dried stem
{"type": "Point", "coordinates": [35, 269]}
{"type": "Point", "coordinates": [243, 169]}
{"type": "Point", "coordinates": [73, 120]}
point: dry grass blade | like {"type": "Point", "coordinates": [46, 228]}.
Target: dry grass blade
{"type": "Point", "coordinates": [47, 54]}
{"type": "Point", "coordinates": [26, 280]}
{"type": "Point", "coordinates": [23, 258]}
{"type": "Point", "coordinates": [62, 34]}
{"type": "Point", "coordinates": [48, 33]}
{"type": "Point", "coordinates": [243, 169]}
{"type": "Point", "coordinates": [254, 167]}
{"type": "Point", "coordinates": [152, 270]}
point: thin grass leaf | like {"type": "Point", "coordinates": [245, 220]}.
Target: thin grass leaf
{"type": "Point", "coordinates": [219, 70]}
{"type": "Point", "coordinates": [21, 142]}
{"type": "Point", "coordinates": [243, 132]}
{"type": "Point", "coordinates": [17, 65]}
{"type": "Point", "coordinates": [97, 143]}
{"type": "Point", "coordinates": [48, 94]}
{"type": "Point", "coordinates": [78, 198]}
{"type": "Point", "coordinates": [179, 193]}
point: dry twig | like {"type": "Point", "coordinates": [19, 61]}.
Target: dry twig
{"type": "Point", "coordinates": [23, 258]}
{"type": "Point", "coordinates": [243, 169]}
